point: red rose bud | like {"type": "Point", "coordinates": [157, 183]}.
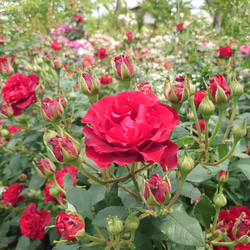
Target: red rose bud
{"type": "Point", "coordinates": [52, 110]}
{"type": "Point", "coordinates": [180, 26]}
{"type": "Point", "coordinates": [114, 225]}
{"type": "Point", "coordinates": [199, 96]}
{"type": "Point", "coordinates": [70, 226]}
{"type": "Point", "coordinates": [45, 168]}
{"type": "Point", "coordinates": [177, 91]}
{"type": "Point", "coordinates": [128, 36]}
{"type": "Point", "coordinates": [220, 200]}
{"type": "Point", "coordinates": [123, 67]}
{"type": "Point", "coordinates": [132, 223]}
{"type": "Point", "coordinates": [225, 52]}
{"type": "Point", "coordinates": [6, 110]}
{"type": "Point", "coordinates": [64, 148]}
{"type": "Point", "coordinates": [222, 177]}
{"type": "Point", "coordinates": [88, 84]}
{"type": "Point", "coordinates": [145, 87]}
{"type": "Point", "coordinates": [185, 164]}
{"type": "Point", "coordinates": [219, 89]}
{"type": "Point", "coordinates": [239, 131]}
{"type": "Point", "coordinates": [101, 54]}
{"type": "Point", "coordinates": [157, 190]}
{"type": "Point", "coordinates": [206, 108]}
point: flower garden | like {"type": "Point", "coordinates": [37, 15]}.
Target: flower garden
{"type": "Point", "coordinates": [118, 135]}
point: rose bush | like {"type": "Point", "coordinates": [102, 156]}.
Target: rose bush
{"type": "Point", "coordinates": [131, 126]}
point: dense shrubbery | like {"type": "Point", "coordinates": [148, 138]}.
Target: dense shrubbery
{"type": "Point", "coordinates": [140, 140]}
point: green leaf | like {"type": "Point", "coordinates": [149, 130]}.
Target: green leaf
{"type": "Point", "coordinates": [31, 137]}
{"type": "Point", "coordinates": [23, 243]}
{"type": "Point", "coordinates": [100, 219]}
{"type": "Point", "coordinates": [111, 196]}
{"type": "Point", "coordinates": [200, 174]}
{"type": "Point", "coordinates": [204, 210]}
{"type": "Point", "coordinates": [190, 191]}
{"type": "Point", "coordinates": [64, 246]}
{"type": "Point", "coordinates": [97, 193]}
{"type": "Point", "coordinates": [243, 165]}
{"type": "Point", "coordinates": [36, 181]}
{"type": "Point", "coordinates": [180, 229]}
{"type": "Point", "coordinates": [13, 165]}
{"type": "Point", "coordinates": [80, 198]}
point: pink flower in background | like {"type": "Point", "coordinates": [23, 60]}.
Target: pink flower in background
{"type": "Point", "coordinates": [180, 26]}
{"type": "Point", "coordinates": [245, 49]}
{"type": "Point", "coordinates": [1, 40]}
{"type": "Point", "coordinates": [129, 36]}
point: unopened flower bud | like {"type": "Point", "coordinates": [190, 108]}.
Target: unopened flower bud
{"type": "Point", "coordinates": [206, 107]}
{"type": "Point", "coordinates": [185, 164]}
{"type": "Point", "coordinates": [114, 225]}
{"type": "Point", "coordinates": [132, 223]}
{"type": "Point", "coordinates": [6, 110]}
{"type": "Point", "coordinates": [36, 68]}
{"type": "Point", "coordinates": [157, 190]}
{"type": "Point", "coordinates": [45, 168]}
{"type": "Point", "coordinates": [239, 131]}
{"type": "Point", "coordinates": [222, 177]}
{"type": "Point", "coordinates": [237, 89]}
{"type": "Point", "coordinates": [88, 83]}
{"type": "Point", "coordinates": [57, 64]}
{"type": "Point", "coordinates": [190, 115]}
{"type": "Point", "coordinates": [23, 177]}
{"type": "Point", "coordinates": [72, 95]}
{"type": "Point", "coordinates": [220, 200]}
{"type": "Point", "coordinates": [5, 132]}
{"type": "Point", "coordinates": [54, 191]}
{"type": "Point", "coordinates": [123, 67]}
{"type": "Point", "coordinates": [244, 239]}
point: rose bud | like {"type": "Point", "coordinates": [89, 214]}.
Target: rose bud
{"type": "Point", "coordinates": [128, 36]}
{"type": "Point", "coordinates": [52, 110]}
{"type": "Point", "coordinates": [157, 190]}
{"type": "Point", "coordinates": [88, 84]}
{"type": "Point", "coordinates": [206, 107]}
{"type": "Point", "coordinates": [225, 52]}
{"type": "Point", "coordinates": [185, 164]}
{"type": "Point", "coordinates": [145, 87]}
{"type": "Point", "coordinates": [199, 96]}
{"type": "Point", "coordinates": [57, 64]}
{"type": "Point", "coordinates": [220, 200]}
{"type": "Point", "coordinates": [6, 110]}
{"type": "Point", "coordinates": [45, 168]}
{"type": "Point", "coordinates": [237, 89]}
{"type": "Point", "coordinates": [70, 226]}
{"type": "Point", "coordinates": [219, 89]}
{"type": "Point", "coordinates": [239, 131]}
{"type": "Point", "coordinates": [114, 225]}
{"type": "Point", "coordinates": [241, 229]}
{"type": "Point", "coordinates": [177, 91]}
{"type": "Point", "coordinates": [72, 95]}
{"type": "Point", "coordinates": [222, 177]}
{"type": "Point", "coordinates": [132, 223]}
{"type": "Point", "coordinates": [64, 148]}
{"type": "Point", "coordinates": [179, 26]}
{"type": "Point", "coordinates": [123, 67]}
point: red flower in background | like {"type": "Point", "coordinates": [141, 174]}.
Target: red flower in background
{"type": "Point", "coordinates": [180, 26]}
{"type": "Point", "coordinates": [78, 18]}
{"type": "Point", "coordinates": [101, 54]}
{"type": "Point", "coordinates": [55, 46]}
{"type": "Point", "coordinates": [225, 52]}
{"type": "Point", "coordinates": [199, 96]}
{"type": "Point", "coordinates": [145, 87]}
{"type": "Point", "coordinates": [5, 65]}
{"type": "Point", "coordinates": [33, 222]}
{"type": "Point", "coordinates": [59, 178]}
{"type": "Point", "coordinates": [72, 4]}
{"type": "Point", "coordinates": [11, 195]}
{"type": "Point", "coordinates": [134, 127]}
{"type": "Point", "coordinates": [202, 126]}
{"type": "Point", "coordinates": [129, 36]}
{"type": "Point", "coordinates": [19, 92]}
{"type": "Point", "coordinates": [1, 40]}
{"type": "Point", "coordinates": [106, 79]}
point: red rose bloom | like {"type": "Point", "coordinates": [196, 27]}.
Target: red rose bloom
{"type": "Point", "coordinates": [59, 178]}
{"type": "Point", "coordinates": [33, 222]}
{"type": "Point", "coordinates": [69, 226]}
{"type": "Point", "coordinates": [106, 79]}
{"type": "Point", "coordinates": [101, 54]}
{"type": "Point", "coordinates": [145, 87]}
{"type": "Point", "coordinates": [202, 126]}
{"type": "Point", "coordinates": [219, 82]}
{"type": "Point", "coordinates": [78, 18]}
{"type": "Point", "coordinates": [199, 96]}
{"type": "Point", "coordinates": [225, 52]}
{"type": "Point", "coordinates": [72, 4]}
{"type": "Point", "coordinates": [55, 46]}
{"type": "Point", "coordinates": [131, 126]}
{"type": "Point", "coordinates": [19, 91]}
{"type": "Point", "coordinates": [11, 195]}
{"type": "Point", "coordinates": [179, 26]}
{"type": "Point", "coordinates": [227, 220]}
{"type": "Point", "coordinates": [1, 40]}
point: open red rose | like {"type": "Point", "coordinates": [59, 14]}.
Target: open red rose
{"type": "Point", "coordinates": [202, 126]}
{"type": "Point", "coordinates": [59, 178]}
{"type": "Point", "coordinates": [238, 216]}
{"type": "Point", "coordinates": [131, 126]}
{"type": "Point", "coordinates": [55, 46]}
{"type": "Point", "coordinates": [69, 226]}
{"type": "Point", "coordinates": [19, 91]}
{"type": "Point", "coordinates": [101, 54]}
{"type": "Point", "coordinates": [11, 195]}
{"type": "Point", "coordinates": [33, 222]}
{"type": "Point", "coordinates": [199, 96]}
{"type": "Point", "coordinates": [225, 52]}
{"type": "Point", "coordinates": [106, 79]}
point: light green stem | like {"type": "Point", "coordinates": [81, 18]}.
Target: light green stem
{"type": "Point", "coordinates": [231, 121]}
{"type": "Point", "coordinates": [206, 135]}
{"type": "Point", "coordinates": [125, 85]}
{"type": "Point", "coordinates": [94, 239]}
{"type": "Point", "coordinates": [132, 172]}
{"type": "Point", "coordinates": [217, 211]}
{"type": "Point", "coordinates": [226, 244]}
{"type": "Point", "coordinates": [57, 185]}
{"type": "Point", "coordinates": [191, 101]}
{"type": "Point", "coordinates": [221, 109]}
{"type": "Point", "coordinates": [171, 203]}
